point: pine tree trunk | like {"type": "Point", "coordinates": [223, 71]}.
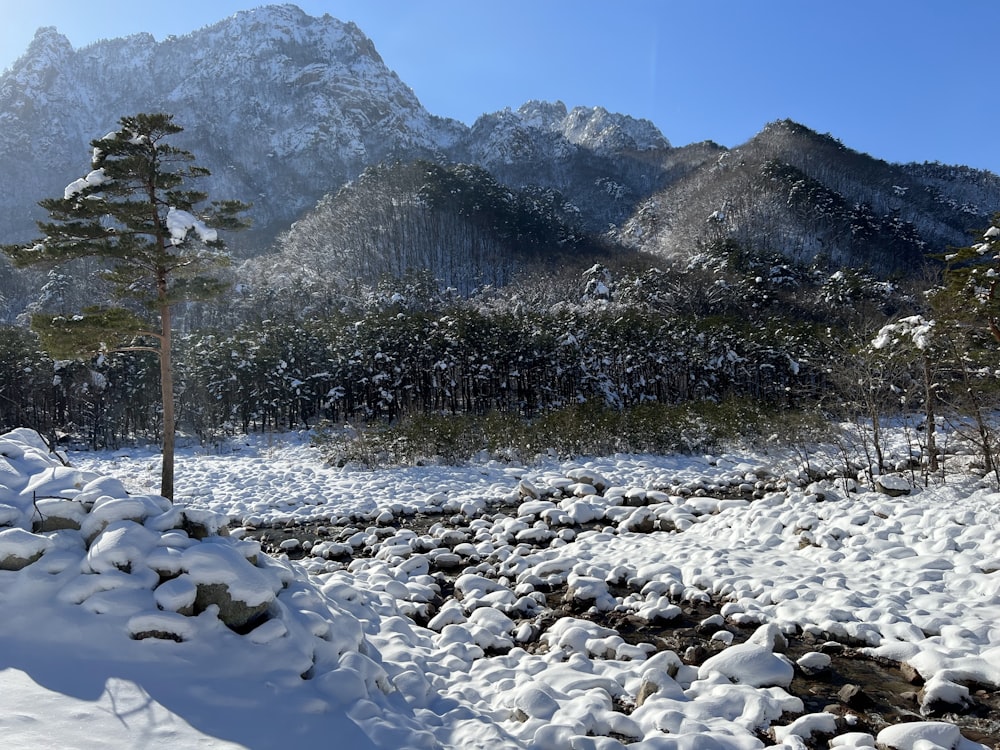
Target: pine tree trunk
{"type": "Point", "coordinates": [167, 394]}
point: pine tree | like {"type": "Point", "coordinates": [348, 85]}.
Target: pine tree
{"type": "Point", "coordinates": [134, 212]}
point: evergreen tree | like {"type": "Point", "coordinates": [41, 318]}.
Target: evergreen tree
{"type": "Point", "coordinates": [972, 283]}
{"type": "Point", "coordinates": [135, 212]}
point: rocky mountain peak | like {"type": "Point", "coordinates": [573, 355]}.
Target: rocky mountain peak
{"type": "Point", "coordinates": [48, 50]}
{"type": "Point", "coordinates": [604, 131]}
{"type": "Point", "coordinates": [282, 107]}
{"type": "Point", "coordinates": [541, 114]}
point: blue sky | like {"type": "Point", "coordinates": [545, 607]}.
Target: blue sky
{"type": "Point", "coordinates": [904, 80]}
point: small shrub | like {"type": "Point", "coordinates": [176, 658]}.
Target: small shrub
{"type": "Point", "coordinates": [576, 430]}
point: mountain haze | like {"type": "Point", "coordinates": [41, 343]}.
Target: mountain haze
{"type": "Point", "coordinates": [285, 108]}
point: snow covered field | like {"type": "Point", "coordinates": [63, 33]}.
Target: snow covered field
{"type": "Point", "coordinates": [115, 603]}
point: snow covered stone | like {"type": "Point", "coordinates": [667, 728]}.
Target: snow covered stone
{"type": "Point", "coordinates": [491, 629]}
{"type": "Point", "coordinates": [529, 490]}
{"type": "Point", "coordinates": [53, 514]}
{"type": "Point", "coordinates": [814, 663]}
{"type": "Point", "coordinates": [123, 545]}
{"type": "Point", "coordinates": [893, 485]}
{"type": "Point", "coordinates": [108, 510]}
{"type": "Point", "coordinates": [100, 487]}
{"type": "Point", "coordinates": [583, 475]}
{"type": "Point", "coordinates": [200, 524]}
{"type": "Point", "coordinates": [940, 695]}
{"type": "Point", "coordinates": [534, 701]}
{"type": "Point", "coordinates": [20, 548]}
{"type": "Point", "coordinates": [852, 740]}
{"type": "Point", "coordinates": [658, 608]}
{"type": "Point", "coordinates": [807, 726]}
{"type": "Point", "coordinates": [918, 735]}
{"type": "Point", "coordinates": [177, 595]}
{"type": "Point", "coordinates": [589, 590]}
{"type": "Point", "coordinates": [54, 481]}
{"type": "Point", "coordinates": [167, 626]}
{"type": "Point", "coordinates": [752, 663]}
{"type": "Point", "coordinates": [9, 515]}
{"type": "Point", "coordinates": [225, 578]}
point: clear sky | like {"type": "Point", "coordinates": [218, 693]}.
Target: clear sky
{"type": "Point", "coordinates": [904, 80]}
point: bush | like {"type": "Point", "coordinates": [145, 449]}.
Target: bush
{"type": "Point", "coordinates": [577, 430]}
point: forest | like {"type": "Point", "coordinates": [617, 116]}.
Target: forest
{"type": "Point", "coordinates": [432, 291]}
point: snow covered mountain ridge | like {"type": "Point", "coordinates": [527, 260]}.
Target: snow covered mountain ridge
{"type": "Point", "coordinates": [284, 108]}
{"type": "Point", "coordinates": [281, 106]}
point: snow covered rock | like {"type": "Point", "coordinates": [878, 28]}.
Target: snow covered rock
{"type": "Point", "coordinates": [52, 514]}
{"type": "Point", "coordinates": [123, 545]}
{"type": "Point", "coordinates": [925, 735]}
{"type": "Point", "coordinates": [752, 663]}
{"type": "Point", "coordinates": [588, 478]}
{"type": "Point", "coordinates": [164, 625]}
{"type": "Point", "coordinates": [528, 490]}
{"type": "Point", "coordinates": [177, 595]}
{"type": "Point", "coordinates": [940, 695]}
{"type": "Point", "coordinates": [589, 591]}
{"type": "Point", "coordinates": [893, 485]}
{"type": "Point", "coordinates": [814, 663]}
{"type": "Point", "coordinates": [534, 701]}
{"type": "Point", "coordinates": [107, 510]}
{"type": "Point", "coordinates": [20, 548]}
{"type": "Point", "coordinates": [807, 726]}
{"type": "Point", "coordinates": [226, 579]}
{"type": "Point", "coordinates": [9, 514]}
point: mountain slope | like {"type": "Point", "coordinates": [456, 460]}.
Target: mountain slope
{"type": "Point", "coordinates": [796, 193]}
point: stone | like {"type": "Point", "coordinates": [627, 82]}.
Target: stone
{"type": "Point", "coordinates": [167, 626]}
{"type": "Point", "coordinates": [529, 490]}
{"type": "Point", "coordinates": [893, 485]}
{"type": "Point", "coordinates": [646, 689]}
{"type": "Point", "coordinates": [55, 514]}
{"type": "Point", "coordinates": [910, 674]}
{"type": "Point", "coordinates": [236, 614]}
{"type": "Point", "coordinates": [853, 696]}
{"type": "Point", "coordinates": [20, 548]}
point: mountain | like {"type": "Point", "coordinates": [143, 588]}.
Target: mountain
{"type": "Point", "coordinates": [285, 109]}
{"type": "Point", "coordinates": [280, 106]}
{"type": "Point", "coordinates": [793, 192]}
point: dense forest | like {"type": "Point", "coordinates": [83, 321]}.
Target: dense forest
{"type": "Point", "coordinates": [724, 326]}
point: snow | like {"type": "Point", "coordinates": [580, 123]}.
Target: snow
{"type": "Point", "coordinates": [924, 735]}
{"type": "Point", "coordinates": [179, 223]}
{"type": "Point", "coordinates": [93, 179]}
{"type": "Point", "coordinates": [915, 328]}
{"type": "Point", "coordinates": [108, 633]}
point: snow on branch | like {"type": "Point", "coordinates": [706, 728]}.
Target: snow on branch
{"type": "Point", "coordinates": [179, 223]}
{"type": "Point", "coordinates": [95, 178]}
{"type": "Point", "coordinates": [915, 329]}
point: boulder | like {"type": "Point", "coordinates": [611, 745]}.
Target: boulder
{"type": "Point", "coordinates": [241, 591]}
{"type": "Point", "coordinates": [893, 485]}
{"type": "Point", "coordinates": [236, 614]}
{"type": "Point", "coordinates": [55, 514]}
{"type": "Point", "coordinates": [20, 548]}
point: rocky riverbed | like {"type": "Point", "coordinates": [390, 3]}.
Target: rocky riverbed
{"type": "Point", "coordinates": [866, 694]}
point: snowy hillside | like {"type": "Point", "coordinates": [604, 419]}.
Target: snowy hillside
{"type": "Point", "coordinates": [640, 602]}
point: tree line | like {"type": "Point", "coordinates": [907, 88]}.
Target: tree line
{"type": "Point", "coordinates": [391, 362]}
